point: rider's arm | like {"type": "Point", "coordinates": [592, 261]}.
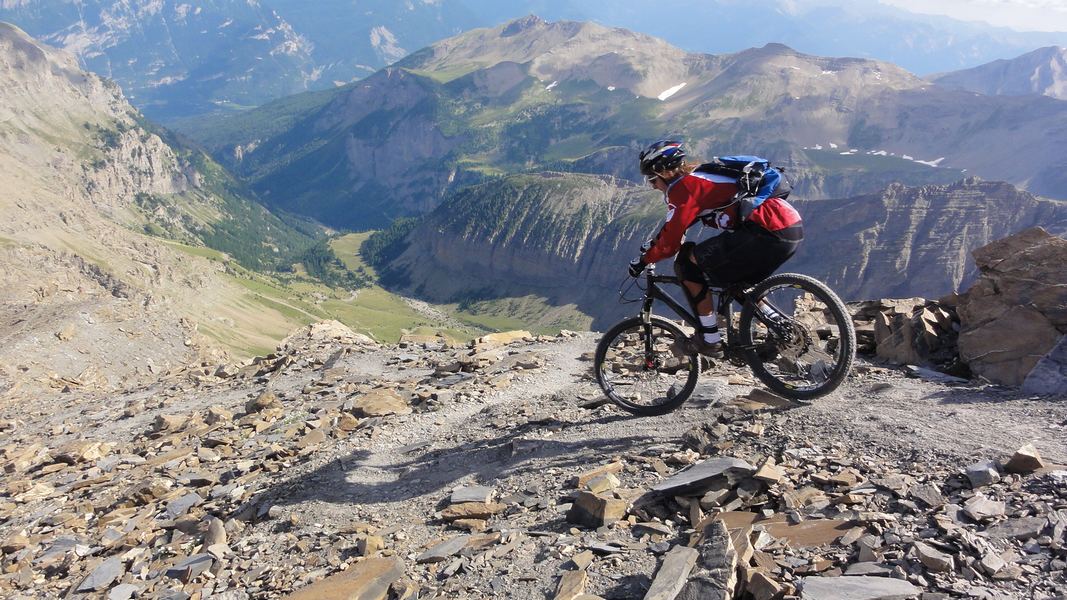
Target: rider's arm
{"type": "Point", "coordinates": [682, 210]}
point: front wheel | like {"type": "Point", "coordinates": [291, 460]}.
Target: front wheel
{"type": "Point", "coordinates": [797, 336]}
{"type": "Point", "coordinates": [646, 368]}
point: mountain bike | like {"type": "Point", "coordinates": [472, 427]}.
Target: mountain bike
{"type": "Point", "coordinates": [793, 332]}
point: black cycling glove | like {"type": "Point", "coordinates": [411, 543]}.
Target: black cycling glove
{"type": "Point", "coordinates": [636, 267]}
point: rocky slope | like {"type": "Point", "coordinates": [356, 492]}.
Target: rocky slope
{"type": "Point", "coordinates": [568, 238]}
{"type": "Point", "coordinates": [1043, 71]}
{"type": "Point", "coordinates": [83, 183]}
{"type": "Point", "coordinates": [531, 95]}
{"type": "Point", "coordinates": [337, 467]}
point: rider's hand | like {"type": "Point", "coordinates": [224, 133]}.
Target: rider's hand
{"type": "Point", "coordinates": [636, 267]}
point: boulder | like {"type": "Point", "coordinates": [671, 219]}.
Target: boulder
{"type": "Point", "coordinates": [325, 332]}
{"type": "Point", "coordinates": [1016, 313]}
{"type": "Point", "coordinates": [593, 510]}
{"type": "Point", "coordinates": [715, 575]}
{"type": "Point", "coordinates": [1049, 375]}
{"type": "Point", "coordinates": [380, 403]}
{"type": "Point", "coordinates": [1025, 460]}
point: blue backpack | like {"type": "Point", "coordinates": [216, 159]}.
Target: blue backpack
{"type": "Point", "coordinates": [756, 180]}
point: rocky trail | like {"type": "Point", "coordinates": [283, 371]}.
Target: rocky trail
{"type": "Point", "coordinates": [337, 468]}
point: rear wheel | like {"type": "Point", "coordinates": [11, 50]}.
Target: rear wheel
{"type": "Point", "coordinates": [646, 368]}
{"type": "Point", "coordinates": [798, 336]}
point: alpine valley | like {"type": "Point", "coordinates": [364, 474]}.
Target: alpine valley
{"type": "Point", "coordinates": [117, 236]}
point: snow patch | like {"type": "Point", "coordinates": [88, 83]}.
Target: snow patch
{"type": "Point", "coordinates": [551, 85]}
{"type": "Point", "coordinates": [931, 163]}
{"type": "Point", "coordinates": [671, 91]}
{"type": "Point", "coordinates": [833, 145]}
{"type": "Point", "coordinates": [611, 88]}
{"type": "Point", "coordinates": [226, 24]}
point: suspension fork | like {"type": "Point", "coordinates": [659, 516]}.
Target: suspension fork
{"type": "Point", "coordinates": [646, 324]}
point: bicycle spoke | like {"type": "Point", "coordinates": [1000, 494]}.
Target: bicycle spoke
{"type": "Point", "coordinates": [798, 339]}
{"type": "Point", "coordinates": [645, 381]}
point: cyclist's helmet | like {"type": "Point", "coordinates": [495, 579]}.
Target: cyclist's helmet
{"type": "Point", "coordinates": [660, 156]}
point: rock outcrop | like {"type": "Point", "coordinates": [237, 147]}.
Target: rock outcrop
{"type": "Point", "coordinates": [1014, 318]}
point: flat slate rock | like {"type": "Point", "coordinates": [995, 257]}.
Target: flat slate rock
{"type": "Point", "coordinates": [857, 588]}
{"type": "Point", "coordinates": [123, 592]}
{"type": "Point", "coordinates": [180, 506]}
{"type": "Point", "coordinates": [1018, 529]}
{"type": "Point", "coordinates": [444, 550]}
{"type": "Point", "coordinates": [673, 573]}
{"type": "Point", "coordinates": [869, 568]}
{"type": "Point", "coordinates": [188, 569]}
{"type": "Point", "coordinates": [700, 475]}
{"type": "Point", "coordinates": [479, 493]}
{"type": "Point", "coordinates": [103, 575]}
{"type": "Point", "coordinates": [366, 580]}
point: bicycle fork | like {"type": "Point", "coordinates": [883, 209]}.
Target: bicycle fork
{"type": "Point", "coordinates": [646, 324]}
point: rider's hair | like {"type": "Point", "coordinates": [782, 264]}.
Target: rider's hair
{"type": "Point", "coordinates": [684, 169]}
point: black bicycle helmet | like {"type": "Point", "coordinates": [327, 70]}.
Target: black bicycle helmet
{"type": "Point", "coordinates": [660, 156]}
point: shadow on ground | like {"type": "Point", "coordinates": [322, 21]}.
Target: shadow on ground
{"type": "Point", "coordinates": [364, 477]}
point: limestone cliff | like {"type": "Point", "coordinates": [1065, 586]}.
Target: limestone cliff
{"type": "Point", "coordinates": [906, 241]}
{"type": "Point", "coordinates": [568, 237]}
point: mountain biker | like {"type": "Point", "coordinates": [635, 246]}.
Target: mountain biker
{"type": "Point", "coordinates": [746, 252]}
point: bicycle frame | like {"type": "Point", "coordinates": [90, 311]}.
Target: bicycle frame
{"type": "Point", "coordinates": [724, 307]}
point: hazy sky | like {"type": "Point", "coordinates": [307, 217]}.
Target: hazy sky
{"type": "Point", "coordinates": [1025, 15]}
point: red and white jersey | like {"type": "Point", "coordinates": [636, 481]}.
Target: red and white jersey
{"type": "Point", "coordinates": [700, 194]}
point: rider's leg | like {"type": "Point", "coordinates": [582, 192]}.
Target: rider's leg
{"type": "Point", "coordinates": [698, 294]}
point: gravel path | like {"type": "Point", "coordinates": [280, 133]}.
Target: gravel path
{"type": "Point", "coordinates": [533, 438]}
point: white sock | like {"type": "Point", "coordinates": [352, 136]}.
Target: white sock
{"type": "Point", "coordinates": [710, 322]}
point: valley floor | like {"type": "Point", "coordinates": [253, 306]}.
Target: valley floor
{"type": "Point", "coordinates": [302, 490]}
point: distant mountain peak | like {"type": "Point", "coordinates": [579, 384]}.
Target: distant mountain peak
{"type": "Point", "coordinates": [1043, 71]}
{"type": "Point", "coordinates": [522, 25]}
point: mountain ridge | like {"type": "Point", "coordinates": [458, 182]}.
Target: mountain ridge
{"type": "Point", "coordinates": [1043, 71]}
{"type": "Point", "coordinates": [398, 142]}
{"type": "Point", "coordinates": [543, 234]}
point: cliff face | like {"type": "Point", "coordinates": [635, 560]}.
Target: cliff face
{"type": "Point", "coordinates": [569, 237]}
{"type": "Point", "coordinates": [914, 241]}
{"type": "Point", "coordinates": [564, 236]}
